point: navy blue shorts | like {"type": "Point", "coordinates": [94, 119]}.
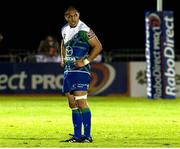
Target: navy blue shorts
{"type": "Point", "coordinates": [76, 81]}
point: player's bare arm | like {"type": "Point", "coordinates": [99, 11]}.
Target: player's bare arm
{"type": "Point", "coordinates": [96, 48]}
{"type": "Point", "coordinates": [62, 54]}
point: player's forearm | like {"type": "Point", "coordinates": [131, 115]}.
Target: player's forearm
{"type": "Point", "coordinates": [95, 52]}
{"type": "Point", "coordinates": [62, 58]}
{"type": "Point", "coordinates": [62, 54]}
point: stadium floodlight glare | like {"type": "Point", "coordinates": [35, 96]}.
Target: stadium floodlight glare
{"type": "Point", "coordinates": [159, 5]}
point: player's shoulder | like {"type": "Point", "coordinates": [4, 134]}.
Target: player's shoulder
{"type": "Point", "coordinates": [83, 27]}
{"type": "Point", "coordinates": [64, 27]}
{"type": "Point", "coordinates": [86, 31]}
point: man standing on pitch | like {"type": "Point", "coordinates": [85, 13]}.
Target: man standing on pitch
{"type": "Point", "coordinates": [79, 47]}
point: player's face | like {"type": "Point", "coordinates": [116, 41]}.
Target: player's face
{"type": "Point", "coordinates": [72, 17]}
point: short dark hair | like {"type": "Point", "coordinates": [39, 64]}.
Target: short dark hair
{"type": "Point", "coordinates": [70, 8]}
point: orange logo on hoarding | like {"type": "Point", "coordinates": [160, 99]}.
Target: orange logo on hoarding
{"type": "Point", "coordinates": [103, 76]}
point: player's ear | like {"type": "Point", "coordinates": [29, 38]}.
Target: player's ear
{"type": "Point", "coordinates": [78, 12]}
{"type": "Point", "coordinates": [66, 18]}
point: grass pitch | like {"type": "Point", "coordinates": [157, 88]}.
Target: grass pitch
{"type": "Point", "coordinates": [116, 122]}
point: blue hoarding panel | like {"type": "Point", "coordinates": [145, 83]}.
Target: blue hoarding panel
{"type": "Point", "coordinates": [47, 78]}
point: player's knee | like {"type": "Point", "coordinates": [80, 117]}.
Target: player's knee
{"type": "Point", "coordinates": [72, 104]}
{"type": "Point", "coordinates": [81, 101]}
{"type": "Point", "coordinates": [82, 104]}
{"type": "Point", "coordinates": [71, 101]}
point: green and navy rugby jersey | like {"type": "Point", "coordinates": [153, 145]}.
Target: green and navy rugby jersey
{"type": "Point", "coordinates": [76, 45]}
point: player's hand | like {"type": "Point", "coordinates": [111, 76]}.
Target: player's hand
{"type": "Point", "coordinates": [79, 63]}
{"type": "Point", "coordinates": [62, 64]}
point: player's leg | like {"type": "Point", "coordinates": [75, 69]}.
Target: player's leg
{"type": "Point", "coordinates": [71, 100]}
{"type": "Point", "coordinates": [81, 98]}
{"type": "Point", "coordinates": [76, 114]}
{"type": "Point", "coordinates": [76, 117]}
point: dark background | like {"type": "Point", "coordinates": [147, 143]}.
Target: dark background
{"type": "Point", "coordinates": [118, 24]}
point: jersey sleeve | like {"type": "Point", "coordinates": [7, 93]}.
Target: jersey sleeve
{"type": "Point", "coordinates": [87, 35]}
